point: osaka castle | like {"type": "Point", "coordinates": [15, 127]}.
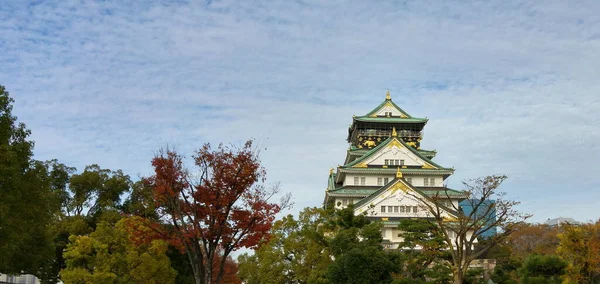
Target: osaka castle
{"type": "Point", "coordinates": [386, 174]}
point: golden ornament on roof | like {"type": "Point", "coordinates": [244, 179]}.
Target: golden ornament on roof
{"type": "Point", "coordinates": [388, 96]}
{"type": "Point", "coordinates": [398, 173]}
{"type": "Point", "coordinates": [394, 134]}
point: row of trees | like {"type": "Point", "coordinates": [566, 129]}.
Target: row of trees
{"type": "Point", "coordinates": [334, 246]}
{"type": "Point", "coordinates": [178, 225]}
{"type": "Point", "coordinates": [540, 253]}
{"type": "Point", "coordinates": [328, 246]}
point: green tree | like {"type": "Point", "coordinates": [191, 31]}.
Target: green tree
{"type": "Point", "coordinates": [110, 255]}
{"type": "Point", "coordinates": [296, 253]}
{"type": "Point", "coordinates": [87, 198]}
{"type": "Point", "coordinates": [423, 255]}
{"type": "Point", "coordinates": [543, 269]}
{"type": "Point", "coordinates": [95, 191]}
{"type": "Point", "coordinates": [140, 202]}
{"type": "Point", "coordinates": [356, 247]}
{"type": "Point", "coordinates": [28, 202]}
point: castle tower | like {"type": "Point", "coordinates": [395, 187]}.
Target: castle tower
{"type": "Point", "coordinates": [386, 175]}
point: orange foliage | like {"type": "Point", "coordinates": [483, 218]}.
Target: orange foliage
{"type": "Point", "coordinates": [223, 207]}
{"type": "Point", "coordinates": [533, 239]}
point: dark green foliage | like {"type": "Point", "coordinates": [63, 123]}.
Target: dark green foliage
{"type": "Point", "coordinates": [543, 269]}
{"type": "Point", "coordinates": [180, 262]}
{"type": "Point", "coordinates": [505, 271]}
{"type": "Point", "coordinates": [423, 254]}
{"type": "Point", "coordinates": [141, 202]}
{"type": "Point", "coordinates": [363, 264]}
{"type": "Point", "coordinates": [28, 202]}
{"type": "Point", "coordinates": [321, 246]}
{"type": "Point", "coordinates": [359, 256]}
{"type": "Point", "coordinates": [96, 190]}
{"type": "Point", "coordinates": [297, 252]}
{"type": "Point", "coordinates": [474, 276]}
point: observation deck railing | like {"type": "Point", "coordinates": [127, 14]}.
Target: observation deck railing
{"type": "Point", "coordinates": [387, 133]}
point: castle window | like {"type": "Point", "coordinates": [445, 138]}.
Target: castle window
{"type": "Point", "coordinates": [385, 180]}
{"type": "Point", "coordinates": [355, 180]}
{"type": "Point", "coordinates": [395, 209]}
{"type": "Point", "coordinates": [362, 180]}
{"type": "Point", "coordinates": [402, 162]}
{"type": "Point", "coordinates": [402, 209]}
{"type": "Point", "coordinates": [426, 182]}
{"type": "Point", "coordinates": [344, 202]}
{"type": "Point", "coordinates": [351, 201]}
{"type": "Point", "coordinates": [432, 181]}
{"type": "Point", "coordinates": [387, 162]}
{"type": "Point", "coordinates": [409, 180]}
{"type": "Point", "coordinates": [380, 181]}
{"type": "Point", "coordinates": [390, 209]}
{"type": "Point", "coordinates": [382, 209]}
{"type": "Point", "coordinates": [415, 209]}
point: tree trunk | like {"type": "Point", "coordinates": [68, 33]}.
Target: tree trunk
{"type": "Point", "coordinates": [198, 275]}
{"type": "Point", "coordinates": [458, 276]}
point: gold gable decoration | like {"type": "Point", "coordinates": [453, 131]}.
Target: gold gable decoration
{"type": "Point", "coordinates": [428, 166]}
{"type": "Point", "coordinates": [393, 143]}
{"type": "Point", "coordinates": [361, 165]}
{"type": "Point", "coordinates": [401, 186]}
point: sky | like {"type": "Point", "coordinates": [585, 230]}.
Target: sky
{"type": "Point", "coordinates": [509, 87]}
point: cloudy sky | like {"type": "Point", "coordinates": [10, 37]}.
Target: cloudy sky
{"type": "Point", "coordinates": [510, 87]}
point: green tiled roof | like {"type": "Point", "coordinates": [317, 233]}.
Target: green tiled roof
{"type": "Point", "coordinates": [389, 99]}
{"type": "Point", "coordinates": [391, 119]}
{"type": "Point", "coordinates": [353, 192]}
{"type": "Point", "coordinates": [383, 144]}
{"type": "Point", "coordinates": [393, 182]}
{"type": "Point", "coordinates": [428, 153]}
{"type": "Point", "coordinates": [394, 169]}
{"type": "Point", "coordinates": [443, 191]}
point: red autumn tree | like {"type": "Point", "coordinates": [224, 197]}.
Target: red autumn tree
{"type": "Point", "coordinates": [220, 207]}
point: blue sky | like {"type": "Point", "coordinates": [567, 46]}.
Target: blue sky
{"type": "Point", "coordinates": [509, 87]}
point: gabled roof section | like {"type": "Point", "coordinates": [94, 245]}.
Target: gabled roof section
{"type": "Point", "coordinates": [428, 153]}
{"type": "Point", "coordinates": [388, 106]}
{"type": "Point", "coordinates": [400, 183]}
{"type": "Point", "coordinates": [390, 142]}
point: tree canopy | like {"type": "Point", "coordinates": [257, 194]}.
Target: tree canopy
{"type": "Point", "coordinates": [28, 197]}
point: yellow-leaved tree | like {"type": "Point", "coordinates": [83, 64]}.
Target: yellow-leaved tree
{"type": "Point", "coordinates": [580, 247]}
{"type": "Point", "coordinates": [110, 255]}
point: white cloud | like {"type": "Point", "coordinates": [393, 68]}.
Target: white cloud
{"type": "Point", "coordinates": [509, 87]}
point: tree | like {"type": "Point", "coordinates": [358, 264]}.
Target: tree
{"type": "Point", "coordinates": [225, 206]}
{"type": "Point", "coordinates": [109, 255]}
{"type": "Point", "coordinates": [28, 202]}
{"type": "Point", "coordinates": [297, 251]}
{"type": "Point", "coordinates": [423, 255]}
{"type": "Point", "coordinates": [580, 247]}
{"type": "Point", "coordinates": [357, 250]}
{"type": "Point", "coordinates": [87, 198]}
{"type": "Point", "coordinates": [543, 269]}
{"type": "Point", "coordinates": [533, 239]}
{"type": "Point", "coordinates": [461, 230]}
{"type": "Point", "coordinates": [96, 190]}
